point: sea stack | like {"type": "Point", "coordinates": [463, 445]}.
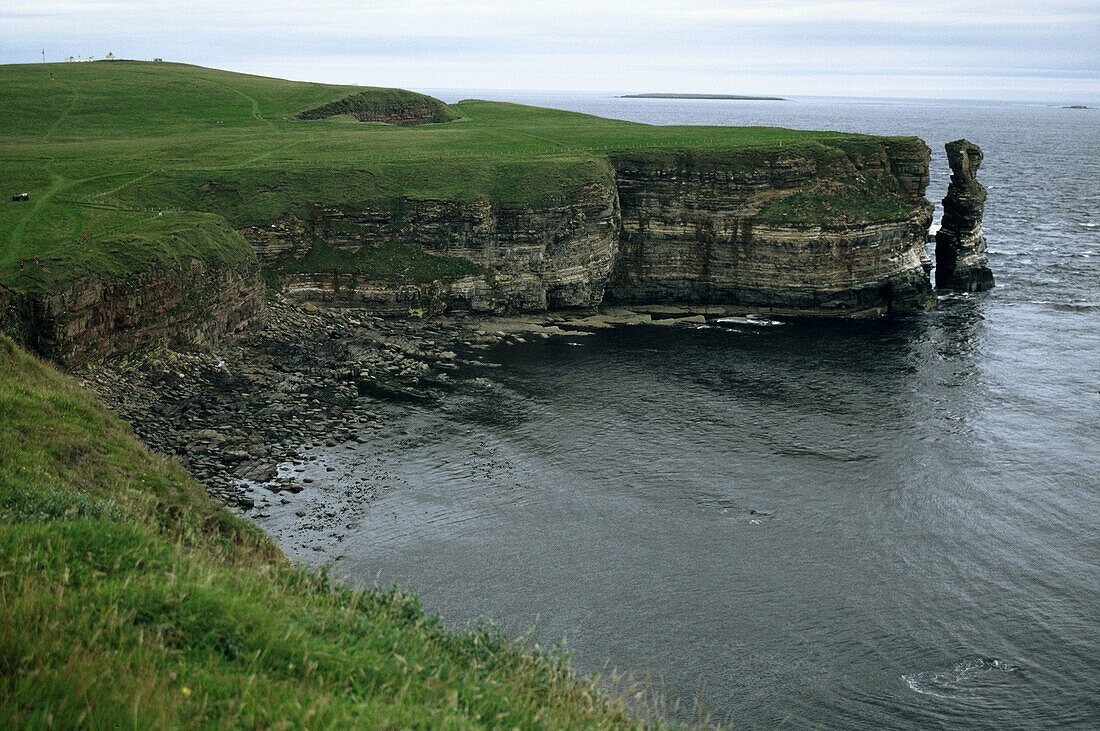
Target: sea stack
{"type": "Point", "coordinates": [961, 263]}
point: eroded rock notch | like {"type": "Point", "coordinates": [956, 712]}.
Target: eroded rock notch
{"type": "Point", "coordinates": [961, 262]}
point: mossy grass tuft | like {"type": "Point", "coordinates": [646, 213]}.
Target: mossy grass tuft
{"type": "Point", "coordinates": [392, 106]}
{"type": "Point", "coordinates": [389, 262]}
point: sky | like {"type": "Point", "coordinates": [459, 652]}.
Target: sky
{"type": "Point", "coordinates": [1035, 50]}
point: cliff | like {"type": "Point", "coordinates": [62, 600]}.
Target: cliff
{"type": "Point", "coordinates": [195, 307]}
{"type": "Point", "coordinates": [837, 229]}
{"type": "Point", "coordinates": [525, 259]}
{"type": "Point", "coordinates": [491, 207]}
{"type": "Point", "coordinates": [208, 289]}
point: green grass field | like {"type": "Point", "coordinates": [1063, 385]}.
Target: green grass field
{"type": "Point", "coordinates": [129, 600]}
{"type": "Point", "coordinates": [102, 147]}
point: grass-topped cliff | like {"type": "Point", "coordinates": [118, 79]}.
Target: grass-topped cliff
{"type": "Point", "coordinates": [130, 600]}
{"type": "Point", "coordinates": [100, 147]}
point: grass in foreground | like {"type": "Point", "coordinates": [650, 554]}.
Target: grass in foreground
{"type": "Point", "coordinates": [130, 600]}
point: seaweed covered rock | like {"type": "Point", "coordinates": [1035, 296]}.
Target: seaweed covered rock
{"type": "Point", "coordinates": [961, 263]}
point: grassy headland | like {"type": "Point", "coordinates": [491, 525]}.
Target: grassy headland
{"type": "Point", "coordinates": [102, 146]}
{"type": "Point", "coordinates": [130, 600]}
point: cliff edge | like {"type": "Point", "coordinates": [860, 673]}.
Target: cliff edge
{"type": "Point", "coordinates": [836, 227]}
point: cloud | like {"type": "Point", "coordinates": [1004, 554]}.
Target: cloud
{"type": "Point", "coordinates": [705, 45]}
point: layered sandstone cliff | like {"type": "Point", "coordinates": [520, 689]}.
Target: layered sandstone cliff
{"type": "Point", "coordinates": [532, 259]}
{"type": "Point", "coordinates": [840, 231]}
{"type": "Point", "coordinates": [196, 306]}
{"type": "Point", "coordinates": [837, 229]}
{"type": "Point", "coordinates": [827, 229]}
{"type": "Point", "coordinates": [961, 262]}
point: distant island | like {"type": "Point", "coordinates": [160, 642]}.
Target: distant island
{"type": "Point", "coordinates": [738, 97]}
{"type": "Point", "coordinates": [1076, 106]}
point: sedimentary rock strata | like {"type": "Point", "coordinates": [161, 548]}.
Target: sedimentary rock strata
{"type": "Point", "coordinates": [194, 307]}
{"type": "Point", "coordinates": [961, 262]}
{"type": "Point", "coordinates": [700, 232]}
{"type": "Point", "coordinates": [535, 259]}
{"type": "Point", "coordinates": [289, 236]}
{"type": "Point", "coordinates": [823, 229]}
{"type": "Point", "coordinates": [833, 230]}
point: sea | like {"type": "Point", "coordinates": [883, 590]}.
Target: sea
{"type": "Point", "coordinates": [872, 524]}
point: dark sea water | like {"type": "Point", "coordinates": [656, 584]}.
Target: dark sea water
{"type": "Point", "coordinates": [872, 524]}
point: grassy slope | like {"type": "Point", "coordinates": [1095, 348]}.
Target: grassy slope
{"type": "Point", "coordinates": [136, 135]}
{"type": "Point", "coordinates": [130, 600]}
{"type": "Point", "coordinates": [123, 242]}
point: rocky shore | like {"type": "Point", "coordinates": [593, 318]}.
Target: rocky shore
{"type": "Point", "coordinates": [236, 414]}
{"type": "Point", "coordinates": [317, 377]}
{"type": "Point", "coordinates": [308, 378]}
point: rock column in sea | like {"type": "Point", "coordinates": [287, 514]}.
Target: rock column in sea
{"type": "Point", "coordinates": [961, 263]}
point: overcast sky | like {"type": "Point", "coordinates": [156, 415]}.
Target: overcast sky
{"type": "Point", "coordinates": [1006, 49]}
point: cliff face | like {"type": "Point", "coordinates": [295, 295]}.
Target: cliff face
{"type": "Point", "coordinates": [290, 236]}
{"type": "Point", "coordinates": [836, 231]}
{"type": "Point", "coordinates": [91, 318]}
{"type": "Point", "coordinates": [552, 257]}
{"type": "Point", "coordinates": [961, 262]}
{"type": "Point", "coordinates": [819, 229]}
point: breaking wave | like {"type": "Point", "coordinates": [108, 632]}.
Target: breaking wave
{"type": "Point", "coordinates": [965, 680]}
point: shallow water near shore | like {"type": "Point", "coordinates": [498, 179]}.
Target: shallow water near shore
{"type": "Point", "coordinates": [863, 524]}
